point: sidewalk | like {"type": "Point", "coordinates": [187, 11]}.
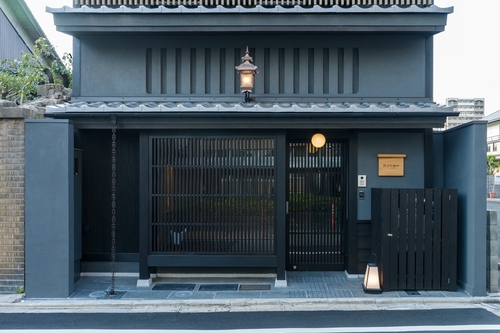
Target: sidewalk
{"type": "Point", "coordinates": [306, 291]}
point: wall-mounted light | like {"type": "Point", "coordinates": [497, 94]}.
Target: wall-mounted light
{"type": "Point", "coordinates": [318, 140]}
{"type": "Point", "coordinates": [247, 72]}
{"type": "Point", "coordinates": [371, 284]}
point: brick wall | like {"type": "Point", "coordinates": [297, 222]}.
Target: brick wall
{"type": "Point", "coordinates": [12, 196]}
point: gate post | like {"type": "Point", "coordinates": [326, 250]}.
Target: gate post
{"type": "Point", "coordinates": [281, 186]}
{"type": "Point", "coordinates": [49, 208]}
{"type": "Point", "coordinates": [144, 276]}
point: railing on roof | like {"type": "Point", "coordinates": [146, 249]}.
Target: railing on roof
{"type": "Point", "coordinates": [251, 3]}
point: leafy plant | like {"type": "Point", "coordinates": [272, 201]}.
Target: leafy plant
{"type": "Point", "coordinates": [246, 206]}
{"type": "Point", "coordinates": [19, 77]}
{"type": "Point", "coordinates": [311, 202]}
{"type": "Point", "coordinates": [491, 164]}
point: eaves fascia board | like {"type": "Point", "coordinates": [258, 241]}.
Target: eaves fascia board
{"type": "Point", "coordinates": [250, 121]}
{"type": "Point", "coordinates": [375, 19]}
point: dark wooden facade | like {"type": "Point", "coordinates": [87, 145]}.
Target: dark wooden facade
{"type": "Point", "coordinates": [207, 181]}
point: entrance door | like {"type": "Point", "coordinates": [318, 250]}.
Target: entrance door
{"type": "Point", "coordinates": [212, 201]}
{"type": "Point", "coordinates": [316, 206]}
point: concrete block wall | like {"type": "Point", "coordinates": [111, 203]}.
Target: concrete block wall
{"type": "Point", "coordinates": [492, 252]}
{"type": "Point", "coordinates": [12, 145]}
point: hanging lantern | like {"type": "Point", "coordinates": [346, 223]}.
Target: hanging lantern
{"type": "Point", "coordinates": [247, 72]}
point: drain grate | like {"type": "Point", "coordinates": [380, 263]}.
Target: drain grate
{"type": "Point", "coordinates": [218, 287]}
{"type": "Point", "coordinates": [106, 295]}
{"type": "Point", "coordinates": [412, 292]}
{"type": "Point", "coordinates": [174, 286]}
{"type": "Point", "coordinates": [255, 287]}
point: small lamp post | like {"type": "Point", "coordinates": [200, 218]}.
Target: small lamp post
{"type": "Point", "coordinates": [247, 72]}
{"type": "Point", "coordinates": [371, 284]}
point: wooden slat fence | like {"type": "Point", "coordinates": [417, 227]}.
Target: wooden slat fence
{"type": "Point", "coordinates": [251, 3]}
{"type": "Point", "coordinates": [415, 238]}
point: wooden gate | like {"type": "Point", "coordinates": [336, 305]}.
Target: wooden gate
{"type": "Point", "coordinates": [415, 237]}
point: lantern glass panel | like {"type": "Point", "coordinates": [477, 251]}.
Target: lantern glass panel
{"type": "Point", "coordinates": [246, 81]}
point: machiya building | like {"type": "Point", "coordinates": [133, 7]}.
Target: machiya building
{"type": "Point", "coordinates": [162, 158]}
{"type": "Point", "coordinates": [469, 108]}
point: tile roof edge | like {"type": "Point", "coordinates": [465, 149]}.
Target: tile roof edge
{"type": "Point", "coordinates": [257, 9]}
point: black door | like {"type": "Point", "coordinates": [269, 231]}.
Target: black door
{"type": "Point", "coordinates": [214, 197]}
{"type": "Point", "coordinates": [316, 206]}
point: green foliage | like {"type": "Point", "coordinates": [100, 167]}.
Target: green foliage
{"type": "Point", "coordinates": [256, 205]}
{"type": "Point", "coordinates": [19, 77]}
{"type": "Point", "coordinates": [9, 84]}
{"type": "Point", "coordinates": [306, 202]}
{"type": "Point", "coordinates": [491, 164]}
{"type": "Point", "coordinates": [20, 290]}
{"type": "Point", "coordinates": [246, 206]}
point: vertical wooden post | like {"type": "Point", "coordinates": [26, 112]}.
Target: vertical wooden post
{"type": "Point", "coordinates": [143, 207]}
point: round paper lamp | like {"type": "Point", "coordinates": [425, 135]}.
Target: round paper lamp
{"type": "Point", "coordinates": [318, 140]}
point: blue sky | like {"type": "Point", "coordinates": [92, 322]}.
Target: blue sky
{"type": "Point", "coordinates": [465, 55]}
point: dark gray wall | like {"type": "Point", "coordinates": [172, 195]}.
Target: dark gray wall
{"type": "Point", "coordinates": [11, 45]}
{"type": "Point", "coordinates": [370, 144]}
{"type": "Point", "coordinates": [50, 251]}
{"type": "Point", "coordinates": [462, 152]}
{"type": "Point", "coordinates": [324, 66]}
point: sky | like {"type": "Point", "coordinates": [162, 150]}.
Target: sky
{"type": "Point", "coordinates": [465, 64]}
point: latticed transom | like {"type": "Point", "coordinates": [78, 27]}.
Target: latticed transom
{"type": "Point", "coordinates": [252, 3]}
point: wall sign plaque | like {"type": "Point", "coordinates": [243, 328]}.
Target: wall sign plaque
{"type": "Point", "coordinates": [391, 165]}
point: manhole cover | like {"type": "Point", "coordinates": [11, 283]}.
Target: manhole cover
{"type": "Point", "coordinates": [412, 292]}
{"type": "Point", "coordinates": [98, 294]}
{"type": "Point", "coordinates": [116, 295]}
{"type": "Point", "coordinates": [183, 294]}
{"type": "Point", "coordinates": [106, 295]}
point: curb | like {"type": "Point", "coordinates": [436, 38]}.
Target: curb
{"type": "Point", "coordinates": [241, 305]}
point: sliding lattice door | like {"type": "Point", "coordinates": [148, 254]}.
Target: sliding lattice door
{"type": "Point", "coordinates": [212, 195]}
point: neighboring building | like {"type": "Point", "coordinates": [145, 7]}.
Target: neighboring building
{"type": "Point", "coordinates": [470, 109]}
{"type": "Point", "coordinates": [18, 29]}
{"type": "Point", "coordinates": [18, 32]}
{"type": "Point", "coordinates": [493, 134]}
{"type": "Point", "coordinates": [209, 183]}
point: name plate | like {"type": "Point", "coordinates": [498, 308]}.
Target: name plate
{"type": "Point", "coordinates": [391, 165]}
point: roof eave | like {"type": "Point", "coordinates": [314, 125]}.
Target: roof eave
{"type": "Point", "coordinates": [375, 19]}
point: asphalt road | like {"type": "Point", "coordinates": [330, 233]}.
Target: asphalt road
{"type": "Point", "coordinates": [463, 320]}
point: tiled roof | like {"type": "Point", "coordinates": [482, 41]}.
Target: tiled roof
{"type": "Point", "coordinates": [256, 9]}
{"type": "Point", "coordinates": [188, 107]}
{"type": "Point", "coordinates": [495, 116]}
